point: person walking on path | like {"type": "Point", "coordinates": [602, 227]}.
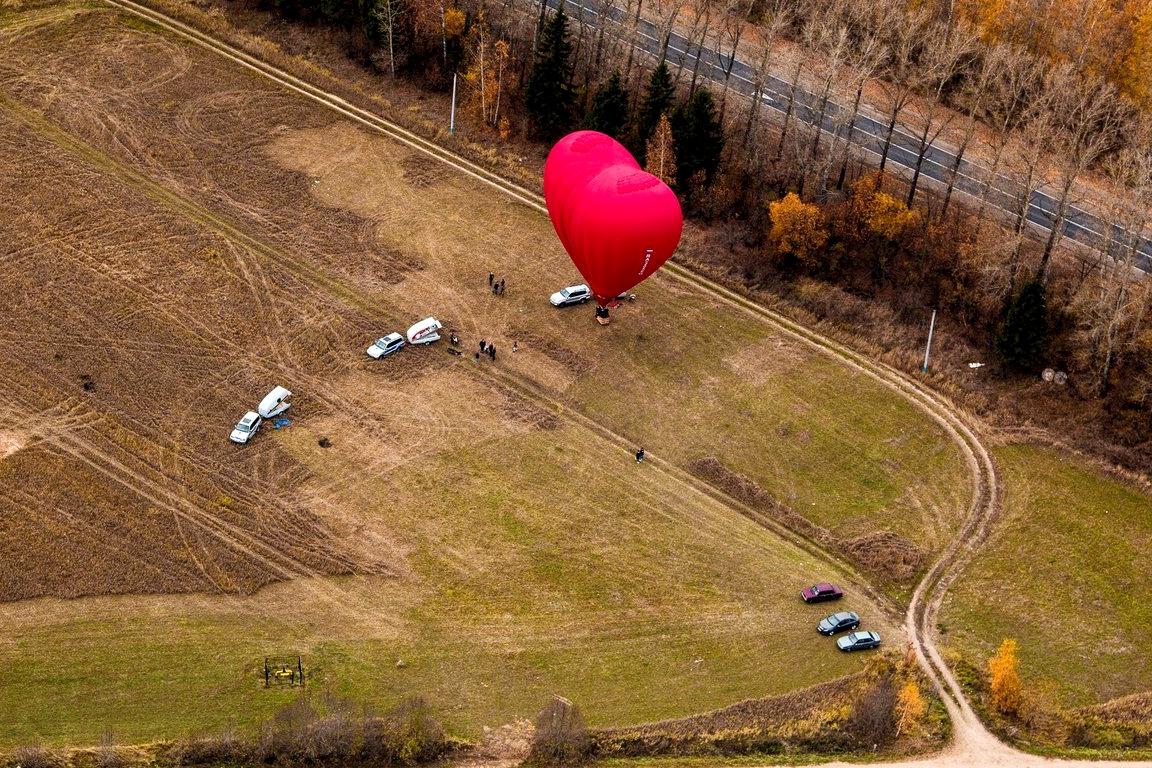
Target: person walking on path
{"type": "Point", "coordinates": [491, 277]}
{"type": "Point", "coordinates": [639, 455]}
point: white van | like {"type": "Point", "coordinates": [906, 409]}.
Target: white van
{"type": "Point", "coordinates": [275, 403]}
{"type": "Point", "coordinates": [425, 331]}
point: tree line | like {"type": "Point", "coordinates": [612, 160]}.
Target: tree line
{"type": "Point", "coordinates": [1019, 118]}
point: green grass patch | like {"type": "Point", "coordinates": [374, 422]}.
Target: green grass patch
{"type": "Point", "coordinates": [1066, 574]}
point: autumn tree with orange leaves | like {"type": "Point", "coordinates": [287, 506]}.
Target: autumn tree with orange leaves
{"type": "Point", "coordinates": [1004, 682]}
{"type": "Point", "coordinates": [798, 228]}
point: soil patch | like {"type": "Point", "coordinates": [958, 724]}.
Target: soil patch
{"type": "Point", "coordinates": [760, 363]}
{"type": "Point", "coordinates": [762, 721]}
{"type": "Point", "coordinates": [9, 444]}
{"type": "Point", "coordinates": [573, 361]}
{"type": "Point", "coordinates": [423, 171]}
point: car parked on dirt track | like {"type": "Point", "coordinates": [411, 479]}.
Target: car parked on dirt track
{"type": "Point", "coordinates": [573, 294]}
{"type": "Point", "coordinates": [386, 345]}
{"type": "Point", "coordinates": [838, 622]}
{"type": "Point", "coordinates": [246, 428]}
{"type": "Point", "coordinates": [818, 593]}
{"type": "Point", "coordinates": [858, 641]}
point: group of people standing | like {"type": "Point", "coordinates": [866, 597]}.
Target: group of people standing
{"type": "Point", "coordinates": [497, 286]}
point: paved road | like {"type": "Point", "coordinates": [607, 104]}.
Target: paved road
{"type": "Point", "coordinates": [867, 133]}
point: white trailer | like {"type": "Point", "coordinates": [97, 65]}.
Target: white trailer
{"type": "Point", "coordinates": [425, 331]}
{"type": "Point", "coordinates": [275, 403]}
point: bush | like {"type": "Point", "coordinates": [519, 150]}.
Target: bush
{"type": "Point", "coordinates": [561, 737]}
{"type": "Point", "coordinates": [36, 756]}
{"type": "Point", "coordinates": [299, 733]}
{"type": "Point", "coordinates": [873, 718]}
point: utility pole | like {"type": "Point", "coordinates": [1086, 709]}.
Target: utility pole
{"type": "Point", "coordinates": [452, 113]}
{"type": "Point", "coordinates": [928, 348]}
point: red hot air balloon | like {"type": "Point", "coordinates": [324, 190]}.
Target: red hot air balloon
{"type": "Point", "coordinates": [622, 227]}
{"type": "Point", "coordinates": [617, 222]}
{"type": "Point", "coordinates": [571, 164]}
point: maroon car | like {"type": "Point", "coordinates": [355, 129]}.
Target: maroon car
{"type": "Point", "coordinates": [818, 593]}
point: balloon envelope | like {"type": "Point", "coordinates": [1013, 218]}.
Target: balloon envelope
{"type": "Point", "coordinates": [622, 226]}
{"type": "Point", "coordinates": [571, 164]}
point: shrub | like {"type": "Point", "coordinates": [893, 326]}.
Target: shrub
{"type": "Point", "coordinates": [561, 737]}
{"type": "Point", "coordinates": [873, 718]}
{"type": "Point", "coordinates": [36, 756]}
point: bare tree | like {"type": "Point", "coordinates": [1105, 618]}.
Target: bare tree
{"type": "Point", "coordinates": [731, 30]}
{"type": "Point", "coordinates": [941, 64]}
{"type": "Point", "coordinates": [1014, 96]}
{"type": "Point", "coordinates": [904, 46]}
{"type": "Point", "coordinates": [976, 91]}
{"type": "Point", "coordinates": [775, 23]}
{"type": "Point", "coordinates": [1026, 178]}
{"type": "Point", "coordinates": [865, 56]}
{"type": "Point", "coordinates": [1116, 307]}
{"type": "Point", "coordinates": [1088, 123]}
{"type": "Point", "coordinates": [697, 36]}
{"type": "Point", "coordinates": [388, 13]}
{"type": "Point", "coordinates": [670, 15]}
{"type": "Point", "coordinates": [833, 42]}
{"type": "Point", "coordinates": [808, 33]}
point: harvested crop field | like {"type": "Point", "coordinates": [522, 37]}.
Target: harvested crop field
{"type": "Point", "coordinates": [178, 236]}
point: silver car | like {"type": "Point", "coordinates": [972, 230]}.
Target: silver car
{"type": "Point", "coordinates": [246, 428]}
{"type": "Point", "coordinates": [573, 294]}
{"type": "Point", "coordinates": [385, 346]}
{"type": "Point", "coordinates": [858, 641]}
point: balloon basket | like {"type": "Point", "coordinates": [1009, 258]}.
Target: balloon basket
{"type": "Point", "coordinates": [603, 320]}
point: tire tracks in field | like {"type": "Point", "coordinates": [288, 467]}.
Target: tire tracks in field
{"type": "Point", "coordinates": [983, 508]}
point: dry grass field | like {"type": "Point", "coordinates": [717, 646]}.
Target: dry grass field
{"type": "Point", "coordinates": [177, 236]}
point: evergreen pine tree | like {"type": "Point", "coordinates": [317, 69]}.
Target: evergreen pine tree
{"type": "Point", "coordinates": [699, 139]}
{"type": "Point", "coordinates": [657, 101]}
{"type": "Point", "coordinates": [548, 96]}
{"type": "Point", "coordinates": [1023, 338]}
{"type": "Point", "coordinates": [609, 113]}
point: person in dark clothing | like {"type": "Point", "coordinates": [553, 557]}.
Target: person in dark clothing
{"type": "Point", "coordinates": [639, 455]}
{"type": "Point", "coordinates": [501, 286]}
{"type": "Point", "coordinates": [483, 344]}
{"type": "Point", "coordinates": [492, 351]}
{"type": "Point", "coordinates": [476, 357]}
{"type": "Point", "coordinates": [495, 289]}
{"type": "Point", "coordinates": [491, 277]}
